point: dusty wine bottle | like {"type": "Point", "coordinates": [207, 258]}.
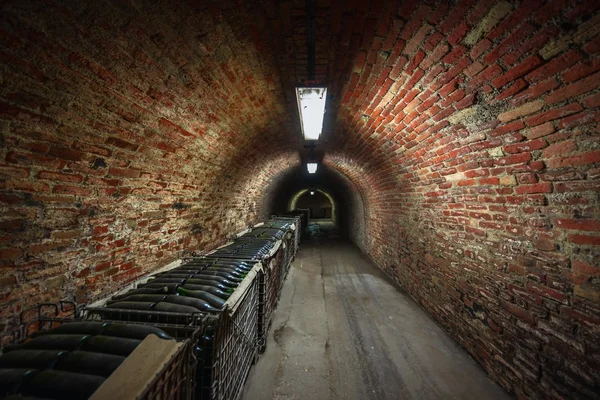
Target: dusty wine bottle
{"type": "Point", "coordinates": [132, 305]}
{"type": "Point", "coordinates": [211, 283]}
{"type": "Point", "coordinates": [213, 300]}
{"type": "Point", "coordinates": [165, 280]}
{"type": "Point", "coordinates": [134, 331]}
{"type": "Point", "coordinates": [244, 271]}
{"type": "Point", "coordinates": [237, 274]}
{"type": "Point", "coordinates": [166, 287]}
{"type": "Point", "coordinates": [143, 290]}
{"type": "Point", "coordinates": [222, 281]}
{"type": "Point", "coordinates": [87, 362]}
{"type": "Point", "coordinates": [175, 308]}
{"type": "Point", "coordinates": [37, 359]}
{"type": "Point", "coordinates": [79, 328]}
{"type": "Point", "coordinates": [56, 342]}
{"type": "Point", "coordinates": [152, 298]}
{"type": "Point", "coordinates": [209, 289]}
{"type": "Point", "coordinates": [110, 345]}
{"type": "Point", "coordinates": [199, 304]}
{"type": "Point", "coordinates": [225, 275]}
{"type": "Point", "coordinates": [61, 385]}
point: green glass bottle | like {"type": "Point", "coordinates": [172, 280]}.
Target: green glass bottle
{"type": "Point", "coordinates": [212, 283]}
{"type": "Point", "coordinates": [213, 300]}
{"type": "Point", "coordinates": [183, 301]}
{"type": "Point", "coordinates": [197, 278]}
{"type": "Point", "coordinates": [209, 289]}
{"type": "Point", "coordinates": [232, 271]}
{"type": "Point", "coordinates": [225, 275]}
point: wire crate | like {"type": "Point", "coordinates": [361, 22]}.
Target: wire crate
{"type": "Point", "coordinates": [281, 262]}
{"type": "Point", "coordinates": [296, 233]}
{"type": "Point", "coordinates": [226, 342]}
{"type": "Point", "coordinates": [268, 294]}
{"type": "Point", "coordinates": [177, 381]}
{"type": "Point", "coordinates": [49, 316]}
{"type": "Point", "coordinates": [232, 350]}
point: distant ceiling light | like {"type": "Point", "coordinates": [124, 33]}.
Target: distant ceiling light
{"type": "Point", "coordinates": [312, 193]}
{"type": "Point", "coordinates": [311, 167]}
{"type": "Point", "coordinates": [311, 107]}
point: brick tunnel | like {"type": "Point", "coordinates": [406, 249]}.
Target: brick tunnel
{"type": "Point", "coordinates": [460, 147]}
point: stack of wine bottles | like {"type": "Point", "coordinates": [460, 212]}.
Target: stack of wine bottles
{"type": "Point", "coordinates": [271, 233]}
{"type": "Point", "coordinates": [200, 285]}
{"type": "Point", "coordinates": [246, 248]}
{"type": "Point", "coordinates": [302, 214]}
{"type": "Point", "coordinates": [70, 361]}
{"type": "Point", "coordinates": [281, 224]}
{"type": "Point", "coordinates": [291, 224]}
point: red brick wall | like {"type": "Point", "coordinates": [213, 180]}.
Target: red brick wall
{"type": "Point", "coordinates": [471, 131]}
{"type": "Point", "coordinates": [127, 135]}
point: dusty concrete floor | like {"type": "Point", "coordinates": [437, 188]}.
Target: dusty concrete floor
{"type": "Point", "coordinates": [344, 331]}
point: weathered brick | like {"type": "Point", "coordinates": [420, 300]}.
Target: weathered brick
{"type": "Point", "coordinates": [530, 145]}
{"type": "Point", "coordinates": [590, 157]}
{"type": "Point", "coordinates": [574, 89]}
{"type": "Point", "coordinates": [521, 111]}
{"type": "Point", "coordinates": [579, 224]}
{"type": "Point", "coordinates": [435, 145]}
{"type": "Point", "coordinates": [60, 176]}
{"type": "Point", "coordinates": [544, 187]}
{"type": "Point", "coordinates": [553, 114]}
{"type": "Point", "coordinates": [67, 154]}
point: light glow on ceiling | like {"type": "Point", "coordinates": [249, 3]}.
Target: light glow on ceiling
{"type": "Point", "coordinates": [311, 107]}
{"type": "Point", "coordinates": [311, 167]}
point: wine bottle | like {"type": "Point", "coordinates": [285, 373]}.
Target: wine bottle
{"type": "Point", "coordinates": [56, 342]}
{"type": "Point", "coordinates": [81, 328]}
{"type": "Point", "coordinates": [209, 282]}
{"type": "Point", "coordinates": [110, 345]}
{"type": "Point", "coordinates": [237, 274]}
{"type": "Point", "coordinates": [175, 308]}
{"type": "Point", "coordinates": [199, 304]}
{"type": "Point", "coordinates": [213, 300]}
{"type": "Point", "coordinates": [132, 305]}
{"type": "Point", "coordinates": [232, 262]}
{"type": "Point", "coordinates": [199, 278]}
{"type": "Point", "coordinates": [134, 331]}
{"type": "Point", "coordinates": [207, 343]}
{"type": "Point", "coordinates": [34, 359]}
{"type": "Point", "coordinates": [61, 385]}
{"type": "Point", "coordinates": [10, 379]}
{"type": "Point", "coordinates": [182, 271]}
{"type": "Point", "coordinates": [143, 290]}
{"type": "Point", "coordinates": [165, 280]}
{"type": "Point", "coordinates": [151, 298]}
{"type": "Point", "coordinates": [87, 362]}
{"type": "Point", "coordinates": [234, 266]}
{"type": "Point", "coordinates": [225, 275]}
{"type": "Point", "coordinates": [166, 287]}
{"type": "Point", "coordinates": [209, 289]}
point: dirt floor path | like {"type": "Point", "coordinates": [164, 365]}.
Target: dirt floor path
{"type": "Point", "coordinates": [343, 330]}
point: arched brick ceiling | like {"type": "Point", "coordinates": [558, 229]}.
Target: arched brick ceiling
{"type": "Point", "coordinates": [464, 134]}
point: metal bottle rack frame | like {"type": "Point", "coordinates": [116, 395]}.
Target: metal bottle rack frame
{"type": "Point", "coordinates": [240, 331]}
{"type": "Point", "coordinates": [175, 380]}
{"type": "Point", "coordinates": [223, 367]}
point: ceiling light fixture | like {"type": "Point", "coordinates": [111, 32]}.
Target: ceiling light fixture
{"type": "Point", "coordinates": [311, 107]}
{"type": "Point", "coordinates": [311, 167]}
